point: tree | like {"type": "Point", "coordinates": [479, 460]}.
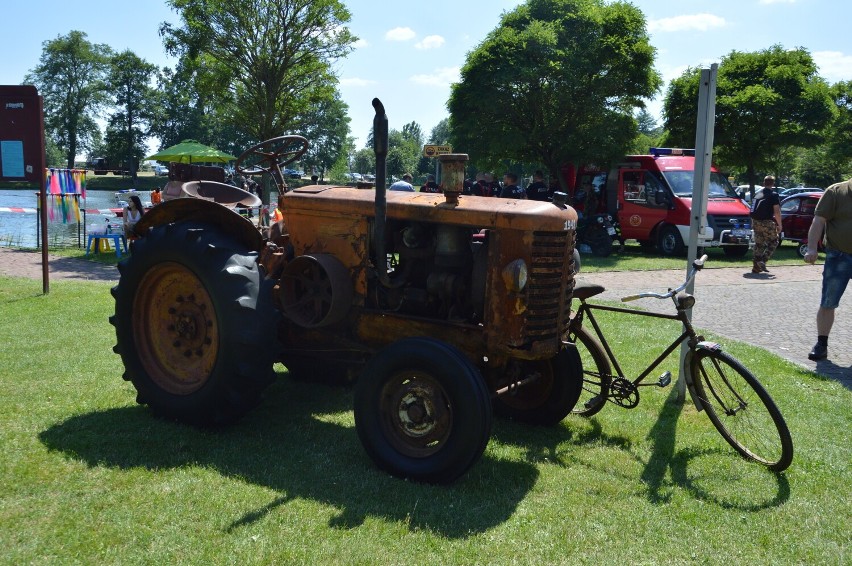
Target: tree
{"type": "Point", "coordinates": [404, 149]}
{"type": "Point", "coordinates": [190, 105]}
{"type": "Point", "coordinates": [69, 77]}
{"type": "Point", "coordinates": [342, 164]}
{"type": "Point", "coordinates": [839, 133]}
{"type": "Point", "coordinates": [766, 102]}
{"type": "Point", "coordinates": [441, 133]}
{"type": "Point", "coordinates": [364, 161]}
{"type": "Point", "coordinates": [275, 54]}
{"type": "Point", "coordinates": [326, 127]}
{"type": "Point", "coordinates": [129, 81]}
{"type": "Point", "coordinates": [180, 107]}
{"type": "Point", "coordinates": [556, 82]}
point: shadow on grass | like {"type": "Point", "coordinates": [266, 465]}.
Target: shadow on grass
{"type": "Point", "coordinates": [741, 488]}
{"type": "Point", "coordinates": [704, 482]}
{"type": "Point", "coordinates": [706, 474]}
{"type": "Point", "coordinates": [827, 370]}
{"type": "Point", "coordinates": [296, 445]}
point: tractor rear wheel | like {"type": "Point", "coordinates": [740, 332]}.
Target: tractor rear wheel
{"type": "Point", "coordinates": [194, 323]}
{"type": "Point", "coordinates": [551, 396]}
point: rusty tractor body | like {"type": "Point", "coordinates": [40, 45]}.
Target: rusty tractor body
{"type": "Point", "coordinates": [440, 308]}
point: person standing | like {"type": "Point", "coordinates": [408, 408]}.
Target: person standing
{"type": "Point", "coordinates": [537, 190]}
{"type": "Point", "coordinates": [480, 187]}
{"type": "Point", "coordinates": [431, 186]}
{"type": "Point", "coordinates": [511, 188]}
{"type": "Point", "coordinates": [404, 184]}
{"type": "Point", "coordinates": [766, 223]}
{"type": "Point", "coordinates": [832, 218]}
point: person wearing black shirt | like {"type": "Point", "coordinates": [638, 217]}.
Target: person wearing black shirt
{"type": "Point", "coordinates": [537, 190]}
{"type": "Point", "coordinates": [766, 223]}
{"type": "Point", "coordinates": [511, 188]}
{"type": "Point", "coordinates": [431, 186]}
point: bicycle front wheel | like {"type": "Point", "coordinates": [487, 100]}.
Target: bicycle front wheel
{"type": "Point", "coordinates": [596, 373]}
{"type": "Point", "coordinates": [741, 409]}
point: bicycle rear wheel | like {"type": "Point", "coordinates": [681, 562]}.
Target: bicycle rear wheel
{"type": "Point", "coordinates": [596, 373]}
{"type": "Point", "coordinates": [741, 409]}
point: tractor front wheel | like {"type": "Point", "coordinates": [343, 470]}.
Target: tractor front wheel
{"type": "Point", "coordinates": [422, 410]}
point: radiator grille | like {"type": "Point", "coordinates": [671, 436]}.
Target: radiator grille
{"type": "Point", "coordinates": [549, 285]}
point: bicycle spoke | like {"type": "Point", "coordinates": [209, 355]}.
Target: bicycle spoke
{"type": "Point", "coordinates": [741, 410]}
{"type": "Point", "coordinates": [596, 374]}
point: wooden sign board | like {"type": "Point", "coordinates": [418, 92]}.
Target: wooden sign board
{"type": "Point", "coordinates": [21, 134]}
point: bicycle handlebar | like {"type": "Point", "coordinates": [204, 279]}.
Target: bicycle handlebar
{"type": "Point", "coordinates": [697, 265]}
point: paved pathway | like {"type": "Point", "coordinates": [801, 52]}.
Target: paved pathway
{"type": "Point", "coordinates": [21, 263]}
{"type": "Point", "coordinates": [775, 311]}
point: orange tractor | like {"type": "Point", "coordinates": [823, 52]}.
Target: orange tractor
{"type": "Point", "coordinates": [442, 308]}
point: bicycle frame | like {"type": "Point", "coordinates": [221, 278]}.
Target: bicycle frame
{"type": "Point", "coordinates": [721, 386]}
{"type": "Point", "coordinates": [688, 333]}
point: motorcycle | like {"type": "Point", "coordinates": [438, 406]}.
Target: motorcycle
{"type": "Point", "coordinates": [598, 234]}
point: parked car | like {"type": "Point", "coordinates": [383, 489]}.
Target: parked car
{"type": "Point", "coordinates": [161, 170]}
{"type": "Point", "coordinates": [745, 194]}
{"type": "Point", "coordinates": [293, 173]}
{"type": "Point", "coordinates": [353, 177]}
{"type": "Point", "coordinates": [798, 190]}
{"type": "Point", "coordinates": [797, 213]}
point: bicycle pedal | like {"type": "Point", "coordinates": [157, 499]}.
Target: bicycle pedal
{"type": "Point", "coordinates": [592, 402]}
{"type": "Point", "coordinates": [665, 379]}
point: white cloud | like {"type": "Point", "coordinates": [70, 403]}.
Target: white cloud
{"type": "Point", "coordinates": [440, 77]}
{"type": "Point", "coordinates": [430, 42]}
{"type": "Point", "coordinates": [361, 43]}
{"type": "Point", "coordinates": [692, 22]}
{"type": "Point", "coordinates": [834, 66]}
{"type": "Point", "coordinates": [400, 34]}
{"type": "Point", "coordinates": [356, 82]}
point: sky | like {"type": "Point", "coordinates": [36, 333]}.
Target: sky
{"type": "Point", "coordinates": [409, 53]}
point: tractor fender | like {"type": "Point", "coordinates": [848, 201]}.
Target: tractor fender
{"type": "Point", "coordinates": [687, 370]}
{"type": "Point", "coordinates": [198, 210]}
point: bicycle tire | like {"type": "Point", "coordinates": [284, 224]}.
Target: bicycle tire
{"type": "Point", "coordinates": [755, 428]}
{"type": "Point", "coordinates": [596, 373]}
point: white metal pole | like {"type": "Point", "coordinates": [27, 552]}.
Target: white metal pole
{"type": "Point", "coordinates": [700, 184]}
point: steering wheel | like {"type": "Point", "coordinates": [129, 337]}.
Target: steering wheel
{"type": "Point", "coordinates": [271, 156]}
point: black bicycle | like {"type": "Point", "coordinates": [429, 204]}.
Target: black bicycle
{"type": "Point", "coordinates": [735, 401]}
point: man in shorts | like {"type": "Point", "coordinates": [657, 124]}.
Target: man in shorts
{"type": "Point", "coordinates": [833, 218]}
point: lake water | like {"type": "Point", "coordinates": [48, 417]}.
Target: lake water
{"type": "Point", "coordinates": [19, 229]}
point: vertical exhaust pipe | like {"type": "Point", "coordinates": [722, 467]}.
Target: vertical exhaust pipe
{"type": "Point", "coordinates": [380, 148]}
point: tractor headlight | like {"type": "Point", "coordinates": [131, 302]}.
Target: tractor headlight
{"type": "Point", "coordinates": [515, 275]}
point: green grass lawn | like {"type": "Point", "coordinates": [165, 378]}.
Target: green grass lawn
{"type": "Point", "coordinates": [632, 258]}
{"type": "Point", "coordinates": [89, 477]}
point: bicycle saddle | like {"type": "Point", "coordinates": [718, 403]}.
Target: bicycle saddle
{"type": "Point", "coordinates": [584, 290]}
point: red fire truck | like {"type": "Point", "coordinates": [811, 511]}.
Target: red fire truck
{"type": "Point", "coordinates": [651, 198]}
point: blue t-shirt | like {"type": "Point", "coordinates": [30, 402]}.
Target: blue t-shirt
{"type": "Point", "coordinates": [402, 186]}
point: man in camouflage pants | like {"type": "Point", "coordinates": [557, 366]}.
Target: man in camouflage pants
{"type": "Point", "coordinates": [766, 223]}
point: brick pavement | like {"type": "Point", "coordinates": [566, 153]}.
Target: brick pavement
{"type": "Point", "coordinates": [730, 302]}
